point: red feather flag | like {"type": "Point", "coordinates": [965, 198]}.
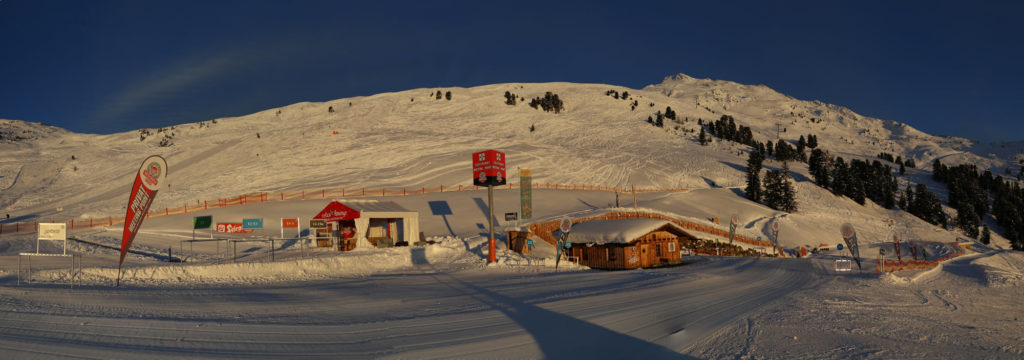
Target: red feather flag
{"type": "Point", "coordinates": [147, 183]}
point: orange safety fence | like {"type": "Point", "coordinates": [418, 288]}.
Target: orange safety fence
{"type": "Point", "coordinates": [261, 197]}
{"type": "Point", "coordinates": [900, 265]}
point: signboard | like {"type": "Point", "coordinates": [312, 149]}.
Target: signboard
{"type": "Point", "coordinates": [147, 182]}
{"type": "Point", "coordinates": [489, 168]}
{"type": "Point", "coordinates": [850, 237]}
{"type": "Point", "coordinates": [317, 224]}
{"type": "Point", "coordinates": [529, 242]}
{"type": "Point", "coordinates": [336, 211]}
{"type": "Point", "coordinates": [53, 231]}
{"type": "Point", "coordinates": [839, 247]}
{"type": "Point", "coordinates": [232, 228]}
{"type": "Point", "coordinates": [526, 193]}
{"type": "Point", "coordinates": [511, 216]}
{"type": "Point", "coordinates": [289, 223]}
{"type": "Point", "coordinates": [252, 223]}
{"type": "Point", "coordinates": [202, 222]}
{"type": "Point", "coordinates": [565, 225]}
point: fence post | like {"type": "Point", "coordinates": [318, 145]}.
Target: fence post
{"type": "Point", "coordinates": [342, 192]}
{"type": "Point", "coordinates": [323, 193]}
{"type": "Point", "coordinates": [303, 194]}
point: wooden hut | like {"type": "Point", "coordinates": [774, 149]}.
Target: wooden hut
{"type": "Point", "coordinates": [627, 243]}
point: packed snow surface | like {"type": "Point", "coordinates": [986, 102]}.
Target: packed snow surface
{"type": "Point", "coordinates": [242, 295]}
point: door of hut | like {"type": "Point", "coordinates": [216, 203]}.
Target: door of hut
{"type": "Point", "coordinates": [645, 255]}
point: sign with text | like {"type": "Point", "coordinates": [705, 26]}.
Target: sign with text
{"type": "Point", "coordinates": [489, 168]}
{"type": "Point", "coordinates": [850, 238]}
{"type": "Point", "coordinates": [53, 231]}
{"type": "Point", "coordinates": [526, 193]}
{"type": "Point", "coordinates": [202, 222]}
{"type": "Point", "coordinates": [232, 228]}
{"type": "Point", "coordinates": [318, 224]}
{"type": "Point", "coordinates": [147, 182]}
{"type": "Point", "coordinates": [336, 211]}
{"type": "Point", "coordinates": [289, 223]}
{"type": "Point", "coordinates": [511, 216]}
{"type": "Point", "coordinates": [252, 223]}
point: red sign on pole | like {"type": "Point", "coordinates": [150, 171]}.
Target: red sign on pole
{"type": "Point", "coordinates": [489, 168]}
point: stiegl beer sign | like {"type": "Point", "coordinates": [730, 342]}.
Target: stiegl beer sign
{"type": "Point", "coordinates": [489, 168]}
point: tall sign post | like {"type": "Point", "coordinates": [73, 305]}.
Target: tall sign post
{"type": "Point", "coordinates": [526, 194]}
{"type": "Point", "coordinates": [147, 182]}
{"type": "Point", "coordinates": [489, 171]}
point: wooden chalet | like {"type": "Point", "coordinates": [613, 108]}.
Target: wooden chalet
{"type": "Point", "coordinates": [627, 243]}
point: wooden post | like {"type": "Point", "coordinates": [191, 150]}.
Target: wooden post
{"type": "Point", "coordinates": [634, 197]}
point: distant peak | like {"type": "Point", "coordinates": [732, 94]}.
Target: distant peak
{"type": "Point", "coordinates": [678, 77]}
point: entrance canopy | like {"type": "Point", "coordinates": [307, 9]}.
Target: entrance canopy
{"type": "Point", "coordinates": [336, 211]}
{"type": "Point", "coordinates": [374, 219]}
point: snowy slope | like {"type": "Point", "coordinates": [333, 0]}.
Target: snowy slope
{"type": "Point", "coordinates": [443, 301]}
{"type": "Point", "coordinates": [410, 139]}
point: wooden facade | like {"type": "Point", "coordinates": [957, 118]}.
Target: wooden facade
{"type": "Point", "coordinates": [659, 247]}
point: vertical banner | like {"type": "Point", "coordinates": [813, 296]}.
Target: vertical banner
{"type": "Point", "coordinates": [850, 237]}
{"type": "Point", "coordinates": [526, 194]}
{"type": "Point", "coordinates": [732, 228]}
{"type": "Point", "coordinates": [147, 182]}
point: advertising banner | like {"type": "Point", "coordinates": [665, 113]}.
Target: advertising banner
{"type": "Point", "coordinates": [233, 228]}
{"type": "Point", "coordinates": [289, 223]}
{"type": "Point", "coordinates": [318, 224]}
{"type": "Point", "coordinates": [489, 168]}
{"type": "Point", "coordinates": [202, 222]}
{"type": "Point", "coordinates": [252, 223]}
{"type": "Point", "coordinates": [53, 231]}
{"type": "Point", "coordinates": [850, 237]}
{"type": "Point", "coordinates": [151, 175]}
{"type": "Point", "coordinates": [526, 194]}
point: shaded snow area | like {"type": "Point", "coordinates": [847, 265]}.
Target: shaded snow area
{"type": "Point", "coordinates": [245, 296]}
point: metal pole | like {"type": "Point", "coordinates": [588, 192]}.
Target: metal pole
{"type": "Point", "coordinates": [490, 220]}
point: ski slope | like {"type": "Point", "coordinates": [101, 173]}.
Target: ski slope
{"type": "Point", "coordinates": [443, 300]}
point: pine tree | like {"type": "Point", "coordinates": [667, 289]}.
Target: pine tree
{"type": "Point", "coordinates": [967, 220]}
{"type": "Point", "coordinates": [703, 137]}
{"type": "Point", "coordinates": [753, 189]}
{"type": "Point", "coordinates": [986, 235]}
{"type": "Point", "coordinates": [788, 192]}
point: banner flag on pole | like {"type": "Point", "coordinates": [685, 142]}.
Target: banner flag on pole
{"type": "Point", "coordinates": [147, 183]}
{"type": "Point", "coordinates": [850, 237]}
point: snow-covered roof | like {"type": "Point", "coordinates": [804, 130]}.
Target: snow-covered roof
{"type": "Point", "coordinates": [619, 231]}
{"type": "Point", "coordinates": [362, 205]}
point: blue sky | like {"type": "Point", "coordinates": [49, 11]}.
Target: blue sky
{"type": "Point", "coordinates": [947, 68]}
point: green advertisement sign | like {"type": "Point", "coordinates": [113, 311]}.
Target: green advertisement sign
{"type": "Point", "coordinates": [202, 222]}
{"type": "Point", "coordinates": [526, 194]}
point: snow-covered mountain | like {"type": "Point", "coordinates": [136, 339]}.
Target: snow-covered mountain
{"type": "Point", "coordinates": [413, 138]}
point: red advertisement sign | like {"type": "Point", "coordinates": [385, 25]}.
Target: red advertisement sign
{"type": "Point", "coordinates": [232, 228]}
{"type": "Point", "coordinates": [336, 211]}
{"type": "Point", "coordinates": [289, 223]}
{"type": "Point", "coordinates": [489, 168]}
{"type": "Point", "coordinates": [147, 182]}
